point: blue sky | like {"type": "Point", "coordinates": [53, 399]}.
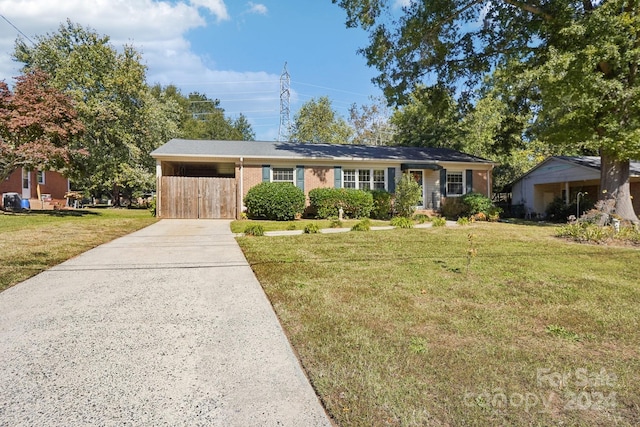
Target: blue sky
{"type": "Point", "coordinates": [230, 50]}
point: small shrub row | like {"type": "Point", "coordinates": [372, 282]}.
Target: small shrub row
{"type": "Point", "coordinates": [439, 222]}
{"type": "Point", "coordinates": [382, 204]}
{"type": "Point", "coordinates": [593, 233]}
{"type": "Point", "coordinates": [326, 202]}
{"type": "Point", "coordinates": [254, 230]}
{"type": "Point", "coordinates": [311, 228]}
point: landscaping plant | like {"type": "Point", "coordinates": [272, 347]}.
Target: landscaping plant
{"type": "Point", "coordinates": [280, 201]}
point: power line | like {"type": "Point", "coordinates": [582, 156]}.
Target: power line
{"type": "Point", "coordinates": [18, 30]}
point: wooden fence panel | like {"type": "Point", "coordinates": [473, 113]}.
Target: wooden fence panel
{"type": "Point", "coordinates": [217, 197]}
{"type": "Point", "coordinates": [191, 198]}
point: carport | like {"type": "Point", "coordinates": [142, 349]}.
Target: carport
{"type": "Point", "coordinates": [193, 190]}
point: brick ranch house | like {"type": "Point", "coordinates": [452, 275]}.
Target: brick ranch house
{"type": "Point", "coordinates": [209, 179]}
{"type": "Point", "coordinates": [53, 187]}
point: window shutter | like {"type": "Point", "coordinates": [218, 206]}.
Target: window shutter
{"type": "Point", "coordinates": [266, 173]}
{"type": "Point", "coordinates": [469, 181]}
{"type": "Point", "coordinates": [300, 177]}
{"type": "Point", "coordinates": [337, 177]}
{"type": "Point", "coordinates": [443, 182]}
{"type": "Point", "coordinates": [391, 180]}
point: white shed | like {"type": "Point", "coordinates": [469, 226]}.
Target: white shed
{"type": "Point", "coordinates": [565, 176]}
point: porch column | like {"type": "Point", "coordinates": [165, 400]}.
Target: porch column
{"type": "Point", "coordinates": [567, 196]}
{"type": "Point", "coordinates": [158, 189]}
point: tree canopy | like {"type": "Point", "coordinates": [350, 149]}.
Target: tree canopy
{"type": "Point", "coordinates": [317, 122]}
{"type": "Point", "coordinates": [37, 126]}
{"type": "Point", "coordinates": [574, 63]}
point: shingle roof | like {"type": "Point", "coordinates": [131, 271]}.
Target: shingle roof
{"type": "Point", "coordinates": [594, 162]}
{"type": "Point", "coordinates": [288, 150]}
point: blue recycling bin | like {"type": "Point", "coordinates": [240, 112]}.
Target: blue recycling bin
{"type": "Point", "coordinates": [24, 204]}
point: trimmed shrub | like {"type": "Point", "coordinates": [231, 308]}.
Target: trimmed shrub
{"type": "Point", "coordinates": [254, 230]}
{"type": "Point", "coordinates": [408, 194]}
{"type": "Point", "coordinates": [311, 228]}
{"type": "Point", "coordinates": [381, 204]}
{"type": "Point", "coordinates": [474, 205]}
{"type": "Point", "coordinates": [280, 201]}
{"type": "Point", "coordinates": [453, 208]}
{"type": "Point", "coordinates": [477, 203]}
{"type": "Point", "coordinates": [364, 225]}
{"type": "Point", "coordinates": [401, 222]}
{"type": "Point", "coordinates": [326, 202]}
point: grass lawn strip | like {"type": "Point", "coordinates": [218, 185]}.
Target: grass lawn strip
{"type": "Point", "coordinates": [404, 327]}
{"type": "Point", "coordinates": [31, 243]}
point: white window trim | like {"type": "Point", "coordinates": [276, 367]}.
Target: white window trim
{"type": "Point", "coordinates": [371, 180]}
{"type": "Point", "coordinates": [464, 183]}
{"type": "Point", "coordinates": [41, 174]}
{"type": "Point", "coordinates": [282, 167]}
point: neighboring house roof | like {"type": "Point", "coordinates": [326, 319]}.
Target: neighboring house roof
{"type": "Point", "coordinates": [592, 162]}
{"type": "Point", "coordinates": [177, 148]}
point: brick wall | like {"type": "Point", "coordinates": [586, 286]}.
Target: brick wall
{"type": "Point", "coordinates": [480, 181]}
{"type": "Point", "coordinates": [317, 177]}
{"type": "Point", "coordinates": [252, 177]}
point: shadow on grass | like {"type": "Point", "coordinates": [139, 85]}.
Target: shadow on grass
{"type": "Point", "coordinates": [53, 212]}
{"type": "Point", "coordinates": [531, 222]}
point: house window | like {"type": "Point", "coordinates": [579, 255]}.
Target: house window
{"type": "Point", "coordinates": [378, 179]}
{"type": "Point", "coordinates": [40, 177]}
{"type": "Point", "coordinates": [455, 184]}
{"type": "Point", "coordinates": [25, 178]}
{"type": "Point", "coordinates": [364, 179]}
{"type": "Point", "coordinates": [349, 178]}
{"type": "Point", "coordinates": [283, 175]}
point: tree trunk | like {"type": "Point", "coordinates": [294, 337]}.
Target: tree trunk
{"type": "Point", "coordinates": [614, 184]}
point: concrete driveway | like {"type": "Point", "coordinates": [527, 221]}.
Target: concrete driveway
{"type": "Point", "coordinates": [167, 326]}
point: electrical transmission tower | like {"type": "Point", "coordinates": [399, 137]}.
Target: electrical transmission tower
{"type": "Point", "coordinates": [285, 121]}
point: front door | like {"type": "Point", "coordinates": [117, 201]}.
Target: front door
{"type": "Point", "coordinates": [26, 184]}
{"type": "Point", "coordinates": [419, 178]}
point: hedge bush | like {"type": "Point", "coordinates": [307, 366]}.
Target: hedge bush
{"type": "Point", "coordinates": [326, 202]}
{"type": "Point", "coordinates": [471, 204]}
{"type": "Point", "coordinates": [280, 201]}
{"type": "Point", "coordinates": [382, 206]}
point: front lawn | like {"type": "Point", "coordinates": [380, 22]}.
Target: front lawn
{"type": "Point", "coordinates": [32, 242]}
{"type": "Point", "coordinates": [488, 324]}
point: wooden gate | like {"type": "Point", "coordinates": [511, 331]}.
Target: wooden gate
{"type": "Point", "coordinates": [207, 198]}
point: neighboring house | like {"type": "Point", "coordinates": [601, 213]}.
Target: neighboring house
{"type": "Point", "coordinates": [53, 186]}
{"type": "Point", "coordinates": [186, 168]}
{"type": "Point", "coordinates": [565, 177]}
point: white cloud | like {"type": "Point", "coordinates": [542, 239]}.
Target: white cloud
{"type": "Point", "coordinates": [217, 7]}
{"type": "Point", "coordinates": [158, 30]}
{"type": "Point", "coordinates": [257, 8]}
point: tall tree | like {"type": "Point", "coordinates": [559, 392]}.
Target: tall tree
{"type": "Point", "coordinates": [431, 118]}
{"type": "Point", "coordinates": [371, 123]}
{"type": "Point", "coordinates": [207, 120]}
{"type": "Point", "coordinates": [37, 126]}
{"type": "Point", "coordinates": [112, 99]}
{"type": "Point", "coordinates": [317, 122]}
{"type": "Point", "coordinates": [578, 61]}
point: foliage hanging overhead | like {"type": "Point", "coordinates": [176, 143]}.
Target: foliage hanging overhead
{"type": "Point", "coordinates": [576, 62]}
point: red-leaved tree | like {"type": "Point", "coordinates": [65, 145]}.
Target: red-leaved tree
{"type": "Point", "coordinates": [38, 124]}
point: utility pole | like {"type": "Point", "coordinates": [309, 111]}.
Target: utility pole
{"type": "Point", "coordinates": [285, 93]}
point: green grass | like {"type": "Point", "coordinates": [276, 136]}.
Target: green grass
{"type": "Point", "coordinates": [31, 243]}
{"type": "Point", "coordinates": [402, 327]}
